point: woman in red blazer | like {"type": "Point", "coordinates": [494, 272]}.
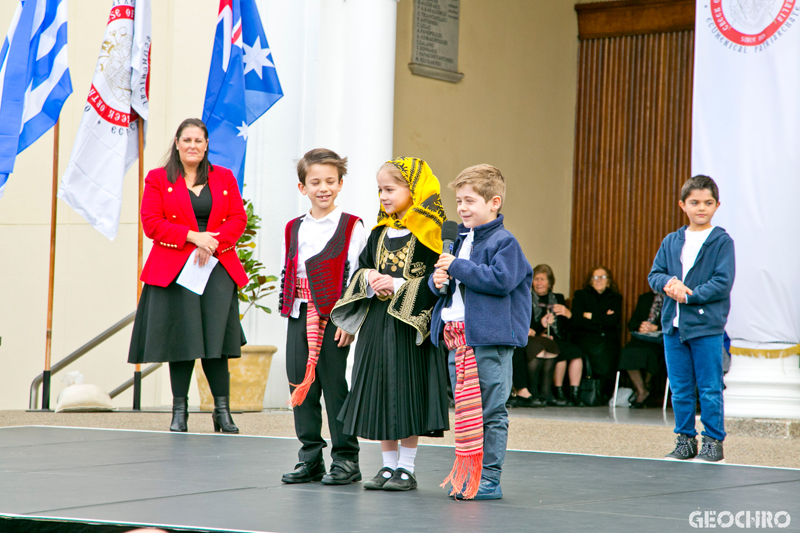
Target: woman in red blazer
{"type": "Point", "coordinates": [190, 205]}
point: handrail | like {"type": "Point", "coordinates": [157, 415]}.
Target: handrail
{"type": "Point", "coordinates": [77, 354]}
{"type": "Point", "coordinates": [125, 386]}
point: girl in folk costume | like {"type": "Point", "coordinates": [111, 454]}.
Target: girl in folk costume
{"type": "Point", "coordinates": [399, 385]}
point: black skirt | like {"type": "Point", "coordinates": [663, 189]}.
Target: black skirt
{"type": "Point", "coordinates": [567, 351]}
{"type": "Point", "coordinates": [638, 354]}
{"type": "Point", "coordinates": [539, 344]}
{"type": "Point", "coordinates": [399, 389]}
{"type": "Point", "coordinates": [175, 324]}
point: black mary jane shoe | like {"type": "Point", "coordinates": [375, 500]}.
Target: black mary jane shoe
{"type": "Point", "coordinates": [180, 415]}
{"type": "Point", "coordinates": [379, 480]}
{"type": "Point", "coordinates": [305, 473]}
{"type": "Point", "coordinates": [222, 416]}
{"type": "Point", "coordinates": [342, 473]}
{"type": "Point", "coordinates": [398, 483]}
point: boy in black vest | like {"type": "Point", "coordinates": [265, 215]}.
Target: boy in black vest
{"type": "Point", "coordinates": [321, 250]}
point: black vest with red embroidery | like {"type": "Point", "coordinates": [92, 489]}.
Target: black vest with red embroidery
{"type": "Point", "coordinates": [327, 271]}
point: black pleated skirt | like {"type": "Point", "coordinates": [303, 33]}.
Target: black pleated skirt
{"type": "Point", "coordinates": [398, 389]}
{"type": "Point", "coordinates": [175, 324]}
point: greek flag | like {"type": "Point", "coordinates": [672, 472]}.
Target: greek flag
{"type": "Point", "coordinates": [242, 83]}
{"type": "Point", "coordinates": [34, 77]}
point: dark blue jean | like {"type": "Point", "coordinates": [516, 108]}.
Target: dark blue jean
{"type": "Point", "coordinates": [696, 363]}
{"type": "Point", "coordinates": [494, 374]}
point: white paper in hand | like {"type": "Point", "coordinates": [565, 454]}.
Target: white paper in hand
{"type": "Point", "coordinates": [193, 277]}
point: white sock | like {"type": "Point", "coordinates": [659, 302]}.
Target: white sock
{"type": "Point", "coordinates": [389, 461]}
{"type": "Point", "coordinates": [406, 459]}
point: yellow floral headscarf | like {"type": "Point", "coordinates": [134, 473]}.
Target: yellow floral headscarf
{"type": "Point", "coordinates": [425, 216]}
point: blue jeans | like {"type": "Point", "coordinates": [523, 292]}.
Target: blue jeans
{"type": "Point", "coordinates": [696, 363]}
{"type": "Point", "coordinates": [494, 374]}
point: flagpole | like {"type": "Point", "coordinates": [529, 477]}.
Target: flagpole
{"type": "Point", "coordinates": [137, 375]}
{"type": "Point", "coordinates": [51, 284]}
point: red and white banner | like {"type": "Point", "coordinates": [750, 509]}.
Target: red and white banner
{"type": "Point", "coordinates": [107, 143]}
{"type": "Point", "coordinates": [745, 135]}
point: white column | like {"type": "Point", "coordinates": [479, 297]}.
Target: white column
{"type": "Point", "coordinates": [368, 119]}
{"type": "Point", "coordinates": [335, 60]}
{"type": "Point", "coordinates": [757, 387]}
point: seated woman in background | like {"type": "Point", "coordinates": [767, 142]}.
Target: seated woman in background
{"type": "Point", "coordinates": [548, 345]}
{"type": "Point", "coordinates": [646, 348]}
{"type": "Point", "coordinates": [597, 310]}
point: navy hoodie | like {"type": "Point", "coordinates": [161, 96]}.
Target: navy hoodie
{"type": "Point", "coordinates": [710, 279]}
{"type": "Point", "coordinates": [497, 279]}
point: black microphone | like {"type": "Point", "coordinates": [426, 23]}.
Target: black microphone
{"type": "Point", "coordinates": [449, 237]}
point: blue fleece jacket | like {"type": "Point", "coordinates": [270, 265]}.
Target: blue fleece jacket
{"type": "Point", "coordinates": [711, 281]}
{"type": "Point", "coordinates": [497, 279]}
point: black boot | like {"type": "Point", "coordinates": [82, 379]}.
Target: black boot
{"type": "Point", "coordinates": [222, 416]}
{"type": "Point", "coordinates": [575, 396]}
{"type": "Point", "coordinates": [559, 400]}
{"type": "Point", "coordinates": [180, 414]}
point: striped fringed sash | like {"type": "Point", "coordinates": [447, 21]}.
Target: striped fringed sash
{"type": "Point", "coordinates": [466, 474]}
{"type": "Point", "coordinates": [315, 330]}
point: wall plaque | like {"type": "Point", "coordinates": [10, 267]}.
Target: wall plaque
{"type": "Point", "coordinates": [435, 44]}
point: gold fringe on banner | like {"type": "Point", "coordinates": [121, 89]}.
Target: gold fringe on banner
{"type": "Point", "coordinates": [769, 354]}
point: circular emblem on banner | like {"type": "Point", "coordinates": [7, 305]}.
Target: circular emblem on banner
{"type": "Point", "coordinates": [750, 22]}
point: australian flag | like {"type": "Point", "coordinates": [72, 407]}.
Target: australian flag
{"type": "Point", "coordinates": [34, 78]}
{"type": "Point", "coordinates": [242, 83]}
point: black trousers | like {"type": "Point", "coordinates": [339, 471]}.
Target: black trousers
{"type": "Point", "coordinates": [329, 381]}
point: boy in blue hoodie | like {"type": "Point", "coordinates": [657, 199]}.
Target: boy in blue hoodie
{"type": "Point", "coordinates": [484, 315]}
{"type": "Point", "coordinates": [695, 267]}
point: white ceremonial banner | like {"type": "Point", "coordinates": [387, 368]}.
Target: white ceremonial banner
{"type": "Point", "coordinates": [107, 143]}
{"type": "Point", "coordinates": [745, 135]}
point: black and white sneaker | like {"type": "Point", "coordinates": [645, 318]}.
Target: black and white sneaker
{"type": "Point", "coordinates": [685, 449]}
{"type": "Point", "coordinates": [711, 451]}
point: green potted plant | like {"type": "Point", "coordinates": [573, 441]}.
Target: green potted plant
{"type": "Point", "coordinates": [249, 374]}
{"type": "Point", "coordinates": [260, 286]}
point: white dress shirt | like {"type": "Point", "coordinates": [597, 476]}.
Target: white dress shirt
{"type": "Point", "coordinates": [455, 313]}
{"type": "Point", "coordinates": [313, 237]}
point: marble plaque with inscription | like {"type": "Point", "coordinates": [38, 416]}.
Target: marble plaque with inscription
{"type": "Point", "coordinates": [435, 45]}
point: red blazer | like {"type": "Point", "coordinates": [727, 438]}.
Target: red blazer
{"type": "Point", "coordinates": [167, 217]}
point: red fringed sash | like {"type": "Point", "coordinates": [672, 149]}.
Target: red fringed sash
{"type": "Point", "coordinates": [465, 477]}
{"type": "Point", "coordinates": [315, 330]}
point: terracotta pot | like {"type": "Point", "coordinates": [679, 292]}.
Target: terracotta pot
{"type": "Point", "coordinates": [249, 375]}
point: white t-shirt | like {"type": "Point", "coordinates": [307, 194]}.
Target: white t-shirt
{"type": "Point", "coordinates": [691, 247]}
{"type": "Point", "coordinates": [455, 313]}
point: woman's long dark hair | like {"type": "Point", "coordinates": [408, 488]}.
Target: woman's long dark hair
{"type": "Point", "coordinates": [172, 161]}
{"type": "Point", "coordinates": [612, 285]}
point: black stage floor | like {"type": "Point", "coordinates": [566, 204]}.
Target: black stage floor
{"type": "Point", "coordinates": [230, 483]}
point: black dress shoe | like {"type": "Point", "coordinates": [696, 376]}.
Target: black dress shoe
{"type": "Point", "coordinates": [379, 480]}
{"type": "Point", "coordinates": [556, 402]}
{"type": "Point", "coordinates": [530, 401]}
{"type": "Point", "coordinates": [305, 473]}
{"type": "Point", "coordinates": [342, 473]}
{"type": "Point", "coordinates": [398, 483]}
{"type": "Point", "coordinates": [222, 416]}
{"type": "Point", "coordinates": [180, 414]}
